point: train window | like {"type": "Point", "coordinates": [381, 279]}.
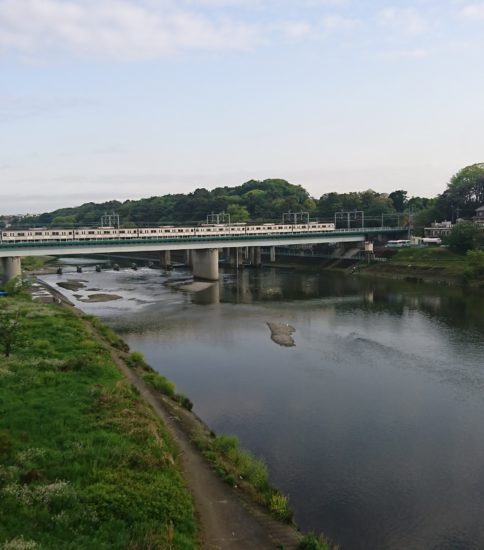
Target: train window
{"type": "Point", "coordinates": [21, 234]}
{"type": "Point", "coordinates": [90, 232]}
{"type": "Point", "coordinates": [122, 231]}
{"type": "Point", "coordinates": [55, 232]}
{"type": "Point", "coordinates": [153, 230]}
{"type": "Point", "coordinates": [180, 231]}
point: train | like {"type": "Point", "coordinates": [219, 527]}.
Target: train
{"type": "Point", "coordinates": [45, 235]}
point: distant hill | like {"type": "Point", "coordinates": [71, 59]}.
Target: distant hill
{"type": "Point", "coordinates": [252, 201]}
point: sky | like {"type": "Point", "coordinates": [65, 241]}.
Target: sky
{"type": "Point", "coordinates": [122, 99]}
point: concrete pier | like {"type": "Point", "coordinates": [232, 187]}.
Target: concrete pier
{"type": "Point", "coordinates": [272, 257]}
{"type": "Point", "coordinates": [11, 268]}
{"type": "Point", "coordinates": [165, 258]}
{"type": "Point", "coordinates": [188, 257]}
{"type": "Point", "coordinates": [205, 264]}
{"type": "Point", "coordinates": [257, 256]}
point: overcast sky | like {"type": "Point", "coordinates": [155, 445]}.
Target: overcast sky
{"type": "Point", "coordinates": [117, 99]}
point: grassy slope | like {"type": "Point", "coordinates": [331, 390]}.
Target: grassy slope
{"type": "Point", "coordinates": [433, 258]}
{"type": "Point", "coordinates": [84, 462]}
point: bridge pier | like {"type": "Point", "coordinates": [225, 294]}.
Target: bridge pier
{"type": "Point", "coordinates": [11, 268]}
{"type": "Point", "coordinates": [205, 264]}
{"type": "Point", "coordinates": [165, 258]}
{"type": "Point", "coordinates": [272, 254]}
{"type": "Point", "coordinates": [188, 257]}
{"type": "Point", "coordinates": [257, 256]}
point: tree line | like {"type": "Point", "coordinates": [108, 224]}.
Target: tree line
{"type": "Point", "coordinates": [268, 200]}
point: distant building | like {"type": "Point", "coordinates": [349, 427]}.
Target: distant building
{"type": "Point", "coordinates": [438, 230]}
{"type": "Point", "coordinates": [479, 217]}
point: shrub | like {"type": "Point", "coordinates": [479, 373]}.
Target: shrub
{"type": "Point", "coordinates": [137, 359]}
{"type": "Point", "coordinates": [312, 542]}
{"type": "Point", "coordinates": [184, 401]}
{"type": "Point", "coordinates": [279, 507]}
{"type": "Point", "coordinates": [160, 383]}
{"type": "Point", "coordinates": [225, 444]}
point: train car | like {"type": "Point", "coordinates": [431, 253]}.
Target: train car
{"type": "Point", "coordinates": [161, 232]}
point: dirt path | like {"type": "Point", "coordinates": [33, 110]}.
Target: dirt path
{"type": "Point", "coordinates": [228, 519]}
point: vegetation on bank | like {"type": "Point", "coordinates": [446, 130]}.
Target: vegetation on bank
{"type": "Point", "coordinates": [236, 466]}
{"type": "Point", "coordinates": [35, 263]}
{"type": "Point", "coordinates": [437, 262]}
{"type": "Point", "coordinates": [84, 461]}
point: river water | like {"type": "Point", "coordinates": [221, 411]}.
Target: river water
{"type": "Point", "coordinates": [373, 423]}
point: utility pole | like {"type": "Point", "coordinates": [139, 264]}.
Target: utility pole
{"type": "Point", "coordinates": [410, 222]}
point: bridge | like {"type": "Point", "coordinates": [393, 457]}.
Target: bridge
{"type": "Point", "coordinates": [203, 249]}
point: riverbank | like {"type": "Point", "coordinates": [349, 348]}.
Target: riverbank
{"type": "Point", "coordinates": [227, 506]}
{"type": "Point", "coordinates": [430, 265]}
{"type": "Point", "coordinates": [84, 460]}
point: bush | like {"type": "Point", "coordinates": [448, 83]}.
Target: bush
{"type": "Point", "coordinates": [312, 542]}
{"type": "Point", "coordinates": [279, 507]}
{"type": "Point", "coordinates": [160, 383]}
{"type": "Point", "coordinates": [463, 237]}
{"type": "Point", "coordinates": [136, 359]}
{"type": "Point", "coordinates": [184, 401]}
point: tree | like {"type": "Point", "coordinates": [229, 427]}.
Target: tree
{"type": "Point", "coordinates": [399, 200]}
{"type": "Point", "coordinates": [238, 213]}
{"type": "Point", "coordinates": [463, 237]}
{"type": "Point", "coordinates": [12, 329]}
{"type": "Point", "coordinates": [464, 193]}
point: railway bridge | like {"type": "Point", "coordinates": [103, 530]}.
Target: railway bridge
{"type": "Point", "coordinates": [204, 250]}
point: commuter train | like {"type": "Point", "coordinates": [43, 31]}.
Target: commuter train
{"type": "Point", "coordinates": [39, 235]}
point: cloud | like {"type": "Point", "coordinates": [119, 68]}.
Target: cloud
{"type": "Point", "coordinates": [473, 11]}
{"type": "Point", "coordinates": [339, 23]}
{"type": "Point", "coordinates": [123, 30]}
{"type": "Point", "coordinates": [294, 29]}
{"type": "Point", "coordinates": [406, 20]}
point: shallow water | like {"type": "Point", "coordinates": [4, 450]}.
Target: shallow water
{"type": "Point", "coordinates": [372, 423]}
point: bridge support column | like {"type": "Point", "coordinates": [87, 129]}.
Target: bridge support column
{"type": "Point", "coordinates": [257, 256]}
{"type": "Point", "coordinates": [272, 254]}
{"type": "Point", "coordinates": [188, 257]}
{"type": "Point", "coordinates": [205, 264]}
{"type": "Point", "coordinates": [165, 258]}
{"type": "Point", "coordinates": [11, 268]}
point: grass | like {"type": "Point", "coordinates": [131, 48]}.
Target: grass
{"type": "Point", "coordinates": [312, 541]}
{"type": "Point", "coordinates": [236, 466]}
{"type": "Point", "coordinates": [240, 468]}
{"type": "Point", "coordinates": [84, 461]}
{"type": "Point", "coordinates": [430, 257]}
{"type": "Point", "coordinates": [34, 263]}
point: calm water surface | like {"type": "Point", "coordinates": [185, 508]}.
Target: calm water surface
{"type": "Point", "coordinates": [373, 423]}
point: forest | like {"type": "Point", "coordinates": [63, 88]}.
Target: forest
{"type": "Point", "coordinates": [268, 200]}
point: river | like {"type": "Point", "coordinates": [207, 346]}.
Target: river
{"type": "Point", "coordinates": [373, 423]}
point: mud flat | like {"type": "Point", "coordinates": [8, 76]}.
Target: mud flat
{"type": "Point", "coordinates": [281, 334]}
{"type": "Point", "coordinates": [74, 284]}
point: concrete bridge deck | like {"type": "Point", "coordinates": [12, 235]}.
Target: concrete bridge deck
{"type": "Point", "coordinates": [204, 249]}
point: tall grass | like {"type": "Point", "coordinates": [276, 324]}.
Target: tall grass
{"type": "Point", "coordinates": [84, 461]}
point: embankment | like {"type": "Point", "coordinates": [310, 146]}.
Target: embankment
{"type": "Point", "coordinates": [97, 449]}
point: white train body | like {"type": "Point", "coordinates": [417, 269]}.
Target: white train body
{"type": "Point", "coordinates": [163, 232]}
